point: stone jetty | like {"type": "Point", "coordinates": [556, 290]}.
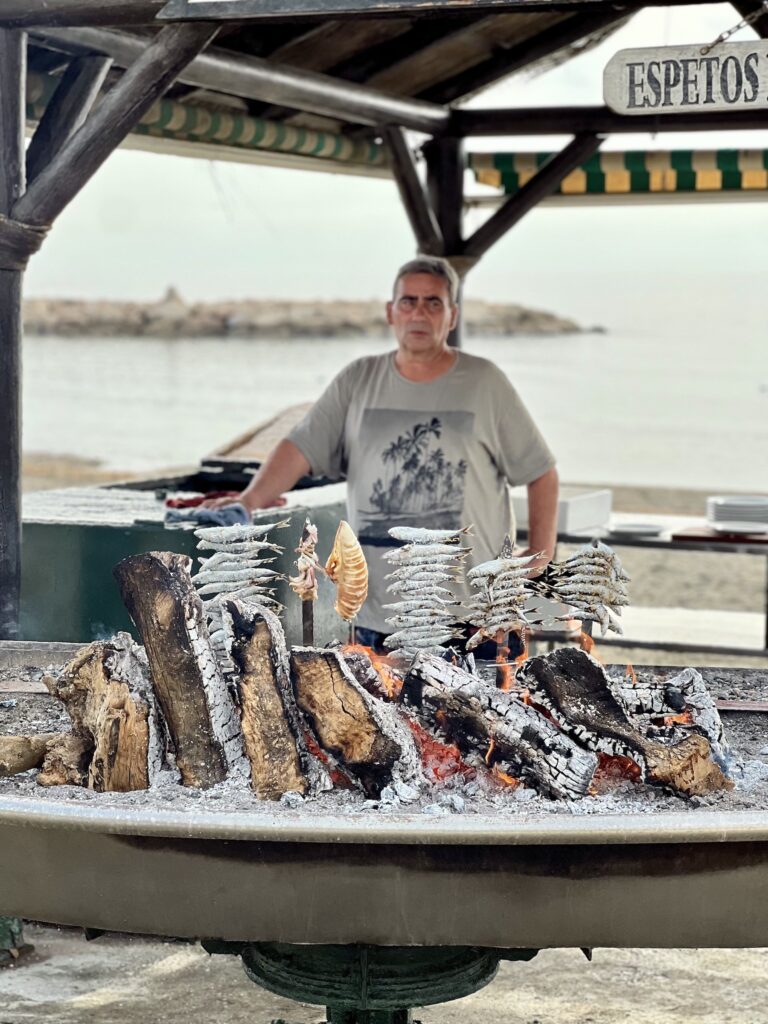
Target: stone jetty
{"type": "Point", "coordinates": [172, 317]}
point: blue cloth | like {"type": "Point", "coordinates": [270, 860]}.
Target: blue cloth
{"type": "Point", "coordinates": [229, 515]}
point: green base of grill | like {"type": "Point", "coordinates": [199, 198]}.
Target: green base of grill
{"type": "Point", "coordinates": [364, 984]}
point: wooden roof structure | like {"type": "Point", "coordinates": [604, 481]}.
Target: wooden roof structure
{"type": "Point", "coordinates": [321, 82]}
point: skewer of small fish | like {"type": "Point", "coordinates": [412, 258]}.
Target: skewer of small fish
{"type": "Point", "coordinates": [424, 616]}
{"type": "Point", "coordinates": [236, 568]}
{"type": "Point", "coordinates": [502, 588]}
{"type": "Point", "coordinates": [592, 582]}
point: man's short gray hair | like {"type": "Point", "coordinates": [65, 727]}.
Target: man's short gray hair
{"type": "Point", "coordinates": [437, 267]}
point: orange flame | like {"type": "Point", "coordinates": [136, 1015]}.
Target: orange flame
{"type": "Point", "coordinates": [489, 753]}
{"type": "Point", "coordinates": [586, 643]}
{"type": "Point", "coordinates": [502, 777]}
{"type": "Point", "coordinates": [630, 674]}
{"type": "Point", "coordinates": [685, 718]}
{"type": "Point", "coordinates": [523, 655]}
{"type": "Point", "coordinates": [390, 680]}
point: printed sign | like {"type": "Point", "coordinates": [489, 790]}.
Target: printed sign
{"type": "Point", "coordinates": [671, 79]}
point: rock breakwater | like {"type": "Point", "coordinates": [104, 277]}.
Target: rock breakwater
{"type": "Point", "coordinates": [172, 317]}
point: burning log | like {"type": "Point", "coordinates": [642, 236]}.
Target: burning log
{"type": "Point", "coordinates": [479, 718]}
{"type": "Point", "coordinates": [280, 762]}
{"type": "Point", "coordinates": [201, 717]}
{"type": "Point", "coordinates": [108, 695]}
{"type": "Point", "coordinates": [20, 753]}
{"type": "Point", "coordinates": [365, 736]}
{"type": "Point", "coordinates": [574, 689]}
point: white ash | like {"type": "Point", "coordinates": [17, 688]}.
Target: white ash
{"type": "Point", "coordinates": [484, 802]}
{"type": "Point", "coordinates": [127, 663]}
{"type": "Point", "coordinates": [687, 690]}
{"type": "Point", "coordinates": [225, 723]}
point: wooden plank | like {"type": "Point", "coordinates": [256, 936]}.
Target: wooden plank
{"type": "Point", "coordinates": [505, 60]}
{"type": "Point", "coordinates": [67, 110]}
{"type": "Point", "coordinates": [85, 151]}
{"type": "Point", "coordinates": [466, 47]}
{"type": "Point", "coordinates": [78, 12]}
{"type": "Point", "coordinates": [13, 73]}
{"type": "Point", "coordinates": [334, 41]}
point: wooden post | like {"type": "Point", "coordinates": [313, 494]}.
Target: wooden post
{"type": "Point", "coordinates": [445, 181]}
{"type": "Point", "coordinates": [420, 214]}
{"type": "Point", "coordinates": [13, 73]}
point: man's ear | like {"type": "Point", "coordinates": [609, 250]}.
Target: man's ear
{"type": "Point", "coordinates": [454, 316]}
{"type": "Point", "coordinates": [389, 312]}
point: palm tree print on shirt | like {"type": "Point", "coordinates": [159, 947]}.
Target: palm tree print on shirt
{"type": "Point", "coordinates": [418, 480]}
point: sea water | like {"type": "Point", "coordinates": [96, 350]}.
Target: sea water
{"type": "Point", "coordinates": [660, 408]}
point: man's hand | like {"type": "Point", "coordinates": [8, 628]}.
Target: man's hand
{"type": "Point", "coordinates": [238, 498]}
{"type": "Point", "coordinates": [284, 465]}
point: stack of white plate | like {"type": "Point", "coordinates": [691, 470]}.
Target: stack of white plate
{"type": "Point", "coordinates": [738, 513]}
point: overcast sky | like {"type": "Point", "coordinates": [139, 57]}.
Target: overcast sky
{"type": "Point", "coordinates": [217, 230]}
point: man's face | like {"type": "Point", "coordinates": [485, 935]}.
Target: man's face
{"type": "Point", "coordinates": [421, 313]}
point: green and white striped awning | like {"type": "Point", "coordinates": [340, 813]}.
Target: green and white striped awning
{"type": "Point", "coordinates": [637, 173]}
{"type": "Point", "coordinates": [191, 130]}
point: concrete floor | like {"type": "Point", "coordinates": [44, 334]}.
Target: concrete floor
{"type": "Point", "coordinates": [129, 980]}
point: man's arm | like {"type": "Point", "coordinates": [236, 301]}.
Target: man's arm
{"type": "Point", "coordinates": [284, 465]}
{"type": "Point", "coordinates": [542, 513]}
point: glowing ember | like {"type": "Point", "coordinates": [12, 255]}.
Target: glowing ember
{"type": "Point", "coordinates": [390, 679]}
{"type": "Point", "coordinates": [686, 718]}
{"type": "Point", "coordinates": [491, 748]}
{"type": "Point", "coordinates": [440, 760]}
{"type": "Point", "coordinates": [612, 768]}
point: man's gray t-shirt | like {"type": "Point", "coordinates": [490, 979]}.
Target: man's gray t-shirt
{"type": "Point", "coordinates": [438, 454]}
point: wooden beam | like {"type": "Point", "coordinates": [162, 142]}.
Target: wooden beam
{"type": "Point", "coordinates": [13, 75]}
{"type": "Point", "coordinates": [266, 81]}
{"type": "Point", "coordinates": [506, 59]}
{"type": "Point", "coordinates": [28, 13]}
{"type": "Point", "coordinates": [85, 151]}
{"type": "Point", "coordinates": [327, 45]}
{"type": "Point", "coordinates": [67, 110]}
{"type": "Point", "coordinates": [539, 187]}
{"type": "Point", "coordinates": [600, 120]}
{"type": "Point", "coordinates": [420, 214]}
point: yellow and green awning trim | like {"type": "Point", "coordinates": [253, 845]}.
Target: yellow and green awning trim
{"type": "Point", "coordinates": [634, 172]}
{"type": "Point", "coordinates": [180, 123]}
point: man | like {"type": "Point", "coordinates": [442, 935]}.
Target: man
{"type": "Point", "coordinates": [425, 436]}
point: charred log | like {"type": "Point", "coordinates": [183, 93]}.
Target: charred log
{"type": "Point", "coordinates": [66, 763]}
{"type": "Point", "coordinates": [362, 734]}
{"type": "Point", "coordinates": [20, 753]}
{"type": "Point", "coordinates": [280, 762]}
{"type": "Point", "coordinates": [200, 714]}
{"type": "Point", "coordinates": [574, 689]}
{"type": "Point", "coordinates": [108, 695]}
{"type": "Point", "coordinates": [479, 718]}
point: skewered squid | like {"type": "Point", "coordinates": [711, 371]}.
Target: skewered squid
{"type": "Point", "coordinates": [424, 616]}
{"type": "Point", "coordinates": [347, 568]}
